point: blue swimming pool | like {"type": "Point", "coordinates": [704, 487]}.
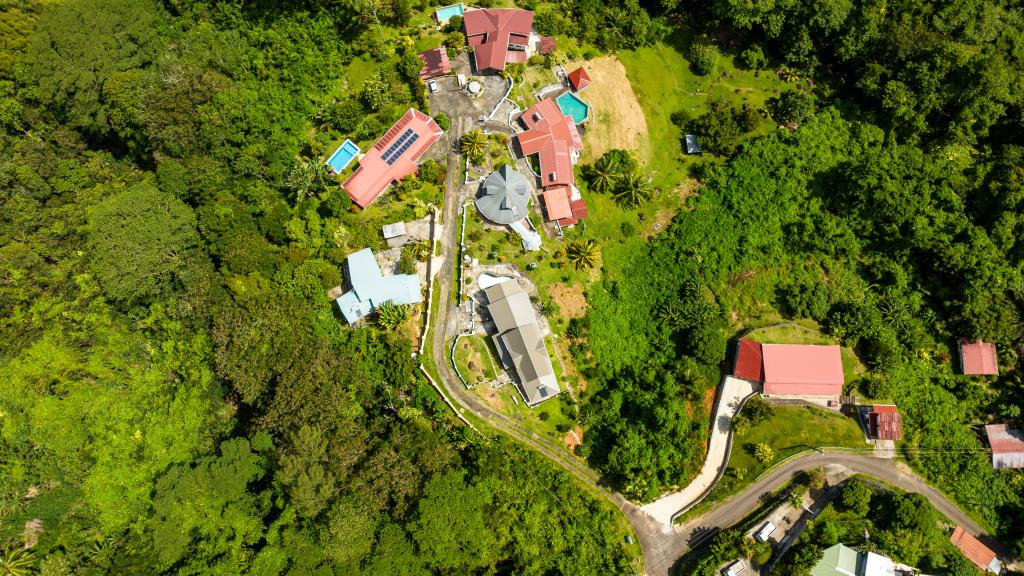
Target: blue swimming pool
{"type": "Point", "coordinates": [571, 105]}
{"type": "Point", "coordinates": [444, 14]}
{"type": "Point", "coordinates": [342, 156]}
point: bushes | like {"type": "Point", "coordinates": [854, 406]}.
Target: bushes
{"type": "Point", "coordinates": [703, 58]}
{"type": "Point", "coordinates": [753, 58]}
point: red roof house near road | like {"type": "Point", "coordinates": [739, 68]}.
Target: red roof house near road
{"type": "Point", "coordinates": [435, 63]}
{"type": "Point", "coordinates": [885, 423]}
{"type": "Point", "coordinates": [749, 364]}
{"type": "Point", "coordinates": [802, 370]}
{"type": "Point", "coordinates": [977, 357]}
{"type": "Point", "coordinates": [979, 554]}
{"type": "Point", "coordinates": [492, 33]}
{"type": "Point", "coordinates": [553, 137]}
{"type": "Point", "coordinates": [1007, 446]}
{"type": "Point", "coordinates": [393, 157]}
{"type": "Point", "coordinates": [579, 79]}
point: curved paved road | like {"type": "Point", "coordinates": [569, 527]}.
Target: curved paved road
{"type": "Point", "coordinates": [662, 544]}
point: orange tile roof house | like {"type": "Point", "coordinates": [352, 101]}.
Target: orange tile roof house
{"type": "Point", "coordinates": [498, 36]}
{"type": "Point", "coordinates": [393, 157]}
{"type": "Point", "coordinates": [979, 554]}
{"type": "Point", "coordinates": [977, 358]}
{"type": "Point", "coordinates": [579, 79]}
{"type": "Point", "coordinates": [435, 63]}
{"type": "Point", "coordinates": [1007, 446]}
{"type": "Point", "coordinates": [885, 422]}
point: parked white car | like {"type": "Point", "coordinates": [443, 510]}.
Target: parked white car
{"type": "Point", "coordinates": [432, 85]}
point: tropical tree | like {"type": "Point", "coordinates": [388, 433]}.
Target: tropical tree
{"type": "Point", "coordinates": [473, 144]}
{"type": "Point", "coordinates": [391, 316]}
{"type": "Point", "coordinates": [604, 175]}
{"type": "Point", "coordinates": [582, 254]}
{"type": "Point", "coordinates": [633, 189]}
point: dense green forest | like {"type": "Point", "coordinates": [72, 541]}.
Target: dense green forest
{"type": "Point", "coordinates": [179, 395]}
{"type": "Point", "coordinates": [888, 207]}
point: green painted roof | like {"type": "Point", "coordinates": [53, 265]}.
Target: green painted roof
{"type": "Point", "coordinates": [838, 561]}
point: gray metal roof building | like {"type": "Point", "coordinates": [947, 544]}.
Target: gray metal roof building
{"type": "Point", "coordinates": [520, 342]}
{"type": "Point", "coordinates": [504, 197]}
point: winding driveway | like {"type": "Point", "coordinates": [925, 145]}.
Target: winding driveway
{"type": "Point", "coordinates": [663, 544]}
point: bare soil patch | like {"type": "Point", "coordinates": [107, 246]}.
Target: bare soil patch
{"type": "Point", "coordinates": [572, 439]}
{"type": "Point", "coordinates": [570, 299]}
{"type": "Point", "coordinates": [616, 119]}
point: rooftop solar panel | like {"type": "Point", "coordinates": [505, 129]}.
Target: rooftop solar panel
{"type": "Point", "coordinates": [398, 153]}
{"type": "Point", "coordinates": [394, 146]}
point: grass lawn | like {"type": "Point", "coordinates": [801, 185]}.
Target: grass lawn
{"type": "Point", "coordinates": [545, 419]}
{"type": "Point", "coordinates": [664, 83]}
{"type": "Point", "coordinates": [475, 361]}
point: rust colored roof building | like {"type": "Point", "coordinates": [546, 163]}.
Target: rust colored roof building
{"type": "Point", "coordinates": [435, 63]}
{"type": "Point", "coordinates": [802, 370]}
{"type": "Point", "coordinates": [393, 157]}
{"type": "Point", "coordinates": [979, 554]}
{"type": "Point", "coordinates": [1007, 446]}
{"type": "Point", "coordinates": [498, 36]}
{"type": "Point", "coordinates": [556, 202]}
{"type": "Point", "coordinates": [547, 45]}
{"type": "Point", "coordinates": [978, 358]}
{"type": "Point", "coordinates": [885, 423]}
{"type": "Point", "coordinates": [749, 364]}
{"type": "Point", "coordinates": [579, 79]}
{"type": "Point", "coordinates": [553, 137]}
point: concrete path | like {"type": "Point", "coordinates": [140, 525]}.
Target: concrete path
{"type": "Point", "coordinates": [731, 396]}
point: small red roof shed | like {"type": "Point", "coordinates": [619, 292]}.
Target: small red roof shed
{"type": "Point", "coordinates": [802, 370]}
{"type": "Point", "coordinates": [579, 79]}
{"type": "Point", "coordinates": [980, 555]}
{"type": "Point", "coordinates": [978, 358]}
{"type": "Point", "coordinates": [749, 364]}
{"type": "Point", "coordinates": [435, 63]}
{"type": "Point", "coordinates": [885, 423]}
{"type": "Point", "coordinates": [547, 45]}
{"type": "Point", "coordinates": [1007, 446]}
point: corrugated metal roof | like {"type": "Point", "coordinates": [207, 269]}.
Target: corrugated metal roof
{"type": "Point", "coordinates": [749, 364]}
{"type": "Point", "coordinates": [802, 370]}
{"type": "Point", "coordinates": [980, 555]}
{"type": "Point", "coordinates": [490, 31]}
{"type": "Point", "coordinates": [505, 196]}
{"type": "Point", "coordinates": [885, 423]}
{"type": "Point", "coordinates": [978, 358]}
{"type": "Point", "coordinates": [371, 289]}
{"type": "Point", "coordinates": [1007, 446]}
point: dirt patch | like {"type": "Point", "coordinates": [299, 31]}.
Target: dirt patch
{"type": "Point", "coordinates": [662, 218]}
{"type": "Point", "coordinates": [494, 400]}
{"type": "Point", "coordinates": [572, 439]}
{"type": "Point", "coordinates": [616, 119]}
{"type": "Point", "coordinates": [570, 299]}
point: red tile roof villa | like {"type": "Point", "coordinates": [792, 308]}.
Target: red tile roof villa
{"type": "Point", "coordinates": [498, 36]}
{"type": "Point", "coordinates": [885, 423]}
{"type": "Point", "coordinates": [435, 63]}
{"type": "Point", "coordinates": [802, 370]}
{"type": "Point", "coordinates": [978, 358]}
{"type": "Point", "coordinates": [1007, 446]}
{"type": "Point", "coordinates": [553, 137]}
{"type": "Point", "coordinates": [393, 157]}
{"type": "Point", "coordinates": [579, 79]}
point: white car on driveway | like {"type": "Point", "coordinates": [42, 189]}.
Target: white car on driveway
{"type": "Point", "coordinates": [432, 85]}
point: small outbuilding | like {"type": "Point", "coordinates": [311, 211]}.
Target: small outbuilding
{"type": "Point", "coordinates": [1007, 446]}
{"type": "Point", "coordinates": [435, 63]}
{"type": "Point", "coordinates": [547, 45]}
{"type": "Point", "coordinates": [579, 79]}
{"type": "Point", "coordinates": [884, 422]}
{"type": "Point", "coordinates": [765, 532]}
{"type": "Point", "coordinates": [692, 147]}
{"type": "Point", "coordinates": [504, 196]}
{"type": "Point", "coordinates": [980, 555]}
{"type": "Point", "coordinates": [977, 358]}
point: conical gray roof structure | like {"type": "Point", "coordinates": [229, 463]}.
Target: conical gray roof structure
{"type": "Point", "coordinates": [504, 196]}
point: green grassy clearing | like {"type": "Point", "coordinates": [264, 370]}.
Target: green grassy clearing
{"type": "Point", "coordinates": [474, 359]}
{"type": "Point", "coordinates": [547, 419]}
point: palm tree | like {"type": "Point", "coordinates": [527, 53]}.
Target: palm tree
{"type": "Point", "coordinates": [473, 143]}
{"type": "Point", "coordinates": [17, 562]}
{"type": "Point", "coordinates": [633, 189]}
{"type": "Point", "coordinates": [604, 174]}
{"type": "Point", "coordinates": [390, 316]}
{"type": "Point", "coordinates": [582, 253]}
